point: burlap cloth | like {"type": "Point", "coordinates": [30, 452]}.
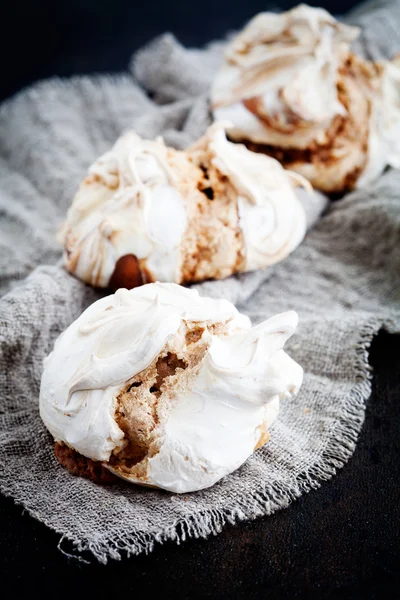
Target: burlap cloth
{"type": "Point", "coordinates": [344, 281]}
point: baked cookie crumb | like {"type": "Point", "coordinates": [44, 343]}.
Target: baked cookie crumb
{"type": "Point", "coordinates": [79, 465]}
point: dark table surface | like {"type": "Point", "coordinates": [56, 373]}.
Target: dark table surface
{"type": "Point", "coordinates": [341, 541]}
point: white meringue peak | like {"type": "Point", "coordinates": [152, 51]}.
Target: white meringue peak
{"type": "Point", "coordinates": [209, 415]}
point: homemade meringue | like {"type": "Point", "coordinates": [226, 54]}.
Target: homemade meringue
{"type": "Point", "coordinates": [291, 88]}
{"type": "Point", "coordinates": [147, 212]}
{"type": "Point", "coordinates": [166, 388]}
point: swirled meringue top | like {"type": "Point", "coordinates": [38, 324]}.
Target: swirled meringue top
{"type": "Point", "coordinates": [212, 422]}
{"type": "Point", "coordinates": [122, 208]}
{"type": "Point", "coordinates": [271, 217]}
{"type": "Point", "coordinates": [278, 84]}
{"type": "Point", "coordinates": [290, 82]}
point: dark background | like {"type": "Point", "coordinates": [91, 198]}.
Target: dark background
{"type": "Point", "coordinates": [44, 38]}
{"type": "Point", "coordinates": [341, 541]}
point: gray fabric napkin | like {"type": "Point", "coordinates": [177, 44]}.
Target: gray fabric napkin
{"type": "Point", "coordinates": [344, 281]}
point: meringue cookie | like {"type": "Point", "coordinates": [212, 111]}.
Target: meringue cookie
{"type": "Point", "coordinates": [168, 215]}
{"type": "Point", "coordinates": [166, 388]}
{"type": "Point", "coordinates": [292, 89]}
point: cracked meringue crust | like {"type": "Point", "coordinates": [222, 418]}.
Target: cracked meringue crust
{"type": "Point", "coordinates": [164, 388]}
{"type": "Point", "coordinates": [335, 165]}
{"type": "Point", "coordinates": [141, 409]}
{"type": "Point", "coordinates": [292, 89]}
{"type": "Point", "coordinates": [149, 213]}
{"type": "Point", "coordinates": [212, 244]}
